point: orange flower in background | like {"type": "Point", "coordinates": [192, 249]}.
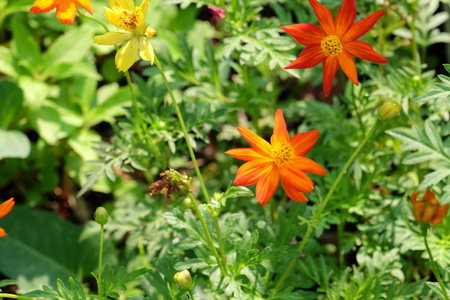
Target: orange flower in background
{"type": "Point", "coordinates": [5, 208]}
{"type": "Point", "coordinates": [428, 210]}
{"type": "Point", "coordinates": [283, 159]}
{"type": "Point", "coordinates": [65, 9]}
{"type": "Point", "coordinates": [335, 43]}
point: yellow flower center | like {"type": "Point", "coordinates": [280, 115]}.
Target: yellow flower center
{"type": "Point", "coordinates": [129, 19]}
{"type": "Point", "coordinates": [282, 153]}
{"type": "Point", "coordinates": [331, 45]}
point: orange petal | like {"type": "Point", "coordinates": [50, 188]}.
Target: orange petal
{"type": "Point", "coordinates": [245, 154]}
{"type": "Point", "coordinates": [330, 66]}
{"type": "Point", "coordinates": [324, 16]}
{"type": "Point", "coordinates": [280, 133]}
{"type": "Point", "coordinates": [345, 17]}
{"type": "Point", "coordinates": [250, 172]}
{"type": "Point", "coordinates": [86, 5]}
{"type": "Point", "coordinates": [43, 6]}
{"type": "Point", "coordinates": [293, 194]}
{"type": "Point", "coordinates": [261, 146]}
{"type": "Point", "coordinates": [348, 65]}
{"type": "Point", "coordinates": [2, 232]}
{"type": "Point", "coordinates": [295, 179]}
{"type": "Point", "coordinates": [414, 197]}
{"type": "Point", "coordinates": [267, 185]}
{"type": "Point", "coordinates": [6, 207]}
{"type": "Point", "coordinates": [429, 195]}
{"type": "Point", "coordinates": [305, 34]}
{"type": "Point", "coordinates": [66, 12]}
{"type": "Point", "coordinates": [440, 214]}
{"type": "Point", "coordinates": [359, 28]}
{"type": "Point", "coordinates": [364, 51]}
{"type": "Point", "coordinates": [303, 142]}
{"type": "Point", "coordinates": [308, 58]}
{"type": "Point", "coordinates": [308, 165]}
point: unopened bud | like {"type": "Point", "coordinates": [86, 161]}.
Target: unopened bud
{"type": "Point", "coordinates": [428, 210]}
{"type": "Point", "coordinates": [388, 110]}
{"type": "Point", "coordinates": [184, 280]}
{"type": "Point", "coordinates": [101, 215]}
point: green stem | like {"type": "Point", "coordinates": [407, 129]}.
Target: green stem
{"type": "Point", "coordinates": [194, 160]}
{"type": "Point", "coordinates": [100, 264]}
{"type": "Point", "coordinates": [340, 230]}
{"type": "Point", "coordinates": [208, 235]}
{"type": "Point", "coordinates": [12, 296]}
{"type": "Point", "coordinates": [93, 19]}
{"type": "Point", "coordinates": [433, 265]}
{"type": "Point", "coordinates": [322, 205]}
{"type": "Point", "coordinates": [191, 295]}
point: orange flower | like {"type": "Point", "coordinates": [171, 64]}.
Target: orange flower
{"type": "Point", "coordinates": [428, 210]}
{"type": "Point", "coordinates": [5, 208]}
{"type": "Point", "coordinates": [335, 43]}
{"type": "Point", "coordinates": [65, 9]}
{"type": "Point", "coordinates": [283, 159]}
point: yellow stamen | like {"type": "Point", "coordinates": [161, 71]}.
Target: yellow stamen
{"type": "Point", "coordinates": [282, 153]}
{"type": "Point", "coordinates": [331, 45]}
{"type": "Point", "coordinates": [129, 19]}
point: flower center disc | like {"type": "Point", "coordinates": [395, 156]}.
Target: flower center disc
{"type": "Point", "coordinates": [282, 153]}
{"type": "Point", "coordinates": [129, 19]}
{"type": "Point", "coordinates": [331, 45]}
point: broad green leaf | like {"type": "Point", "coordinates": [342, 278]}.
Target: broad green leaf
{"type": "Point", "coordinates": [25, 46]}
{"type": "Point", "coordinates": [11, 99]}
{"type": "Point", "coordinates": [6, 62]}
{"type": "Point", "coordinates": [66, 70]}
{"type": "Point", "coordinates": [14, 144]}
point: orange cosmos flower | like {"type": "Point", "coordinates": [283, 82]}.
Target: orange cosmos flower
{"type": "Point", "coordinates": [335, 43]}
{"type": "Point", "coordinates": [5, 208]}
{"type": "Point", "coordinates": [65, 9]}
{"type": "Point", "coordinates": [428, 210]}
{"type": "Point", "coordinates": [283, 159]}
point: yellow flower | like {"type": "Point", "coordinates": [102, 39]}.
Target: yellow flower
{"type": "Point", "coordinates": [124, 15]}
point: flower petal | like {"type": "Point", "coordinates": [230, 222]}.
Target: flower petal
{"type": "Point", "coordinates": [308, 165]}
{"type": "Point", "coordinates": [305, 34]}
{"type": "Point", "coordinates": [113, 17]}
{"type": "Point", "coordinates": [146, 50]}
{"type": "Point", "coordinates": [267, 185]}
{"type": "Point", "coordinates": [66, 12]}
{"type": "Point", "coordinates": [261, 146]}
{"type": "Point", "coordinates": [6, 207]}
{"type": "Point", "coordinates": [126, 4]}
{"type": "Point", "coordinates": [43, 6]}
{"type": "Point", "coordinates": [440, 214]}
{"type": "Point", "coordinates": [308, 58]}
{"type": "Point", "coordinates": [330, 66]}
{"type": "Point", "coordinates": [144, 7]}
{"type": "Point", "coordinates": [364, 51]}
{"type": "Point", "coordinates": [250, 172]}
{"type": "Point", "coordinates": [414, 197]}
{"type": "Point", "coordinates": [112, 38]}
{"type": "Point", "coordinates": [2, 232]}
{"type": "Point", "coordinates": [86, 5]}
{"type": "Point", "coordinates": [245, 154]}
{"type": "Point", "coordinates": [293, 194]}
{"type": "Point", "coordinates": [359, 28]}
{"type": "Point", "coordinates": [345, 17]}
{"type": "Point", "coordinates": [428, 195]}
{"type": "Point", "coordinates": [295, 179]}
{"type": "Point", "coordinates": [348, 65]}
{"type": "Point", "coordinates": [127, 55]}
{"type": "Point", "coordinates": [303, 142]}
{"type": "Point", "coordinates": [324, 16]}
{"type": "Point", "coordinates": [280, 133]}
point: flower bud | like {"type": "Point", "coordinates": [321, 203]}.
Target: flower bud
{"type": "Point", "coordinates": [428, 210]}
{"type": "Point", "coordinates": [101, 215]}
{"type": "Point", "coordinates": [184, 280]}
{"type": "Point", "coordinates": [172, 184]}
{"type": "Point", "coordinates": [388, 110]}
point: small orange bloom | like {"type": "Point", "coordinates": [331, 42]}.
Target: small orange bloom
{"type": "Point", "coordinates": [428, 210]}
{"type": "Point", "coordinates": [5, 208]}
{"type": "Point", "coordinates": [65, 9]}
{"type": "Point", "coordinates": [335, 43]}
{"type": "Point", "coordinates": [283, 159]}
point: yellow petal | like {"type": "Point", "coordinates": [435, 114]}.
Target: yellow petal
{"type": "Point", "coordinates": [66, 11]}
{"type": "Point", "coordinates": [146, 52]}
{"type": "Point", "coordinates": [112, 38]}
{"type": "Point", "coordinates": [86, 5]}
{"type": "Point", "coordinates": [113, 17]}
{"type": "Point", "coordinates": [126, 4]}
{"type": "Point", "coordinates": [144, 7]}
{"type": "Point", "coordinates": [127, 55]}
{"type": "Point", "coordinates": [150, 32]}
{"type": "Point", "coordinates": [43, 6]}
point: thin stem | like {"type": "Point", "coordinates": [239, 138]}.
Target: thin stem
{"type": "Point", "coordinates": [100, 264]}
{"type": "Point", "coordinates": [208, 235]}
{"type": "Point", "coordinates": [433, 265]}
{"type": "Point", "coordinates": [340, 230]}
{"type": "Point", "coordinates": [322, 205]}
{"type": "Point", "coordinates": [12, 296]}
{"type": "Point", "coordinates": [194, 160]}
{"type": "Point", "coordinates": [191, 295]}
{"type": "Point", "coordinates": [93, 19]}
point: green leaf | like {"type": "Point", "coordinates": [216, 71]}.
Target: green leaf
{"type": "Point", "coordinates": [25, 46]}
{"type": "Point", "coordinates": [11, 99]}
{"type": "Point", "coordinates": [238, 191]}
{"type": "Point", "coordinates": [435, 288]}
{"type": "Point", "coordinates": [14, 144]}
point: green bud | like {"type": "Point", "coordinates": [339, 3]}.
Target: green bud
{"type": "Point", "coordinates": [101, 215]}
{"type": "Point", "coordinates": [184, 280]}
{"type": "Point", "coordinates": [187, 202]}
{"type": "Point", "coordinates": [388, 110]}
